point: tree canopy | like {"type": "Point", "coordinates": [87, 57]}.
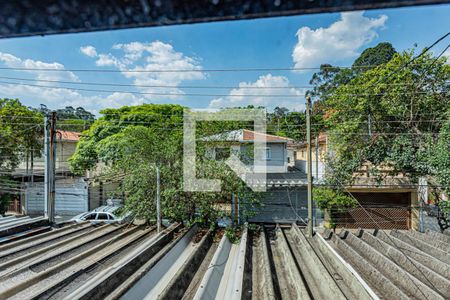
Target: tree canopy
{"type": "Point", "coordinates": [69, 118]}
{"type": "Point", "coordinates": [394, 115]}
{"type": "Point", "coordinates": [329, 78]}
{"type": "Point", "coordinates": [21, 132]}
{"type": "Point", "coordinates": [132, 141]}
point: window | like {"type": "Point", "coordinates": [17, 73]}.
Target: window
{"type": "Point", "coordinates": [102, 216]}
{"type": "Point", "coordinates": [222, 153]}
{"type": "Point", "coordinates": [90, 216]}
{"type": "Point", "coordinates": [268, 154]}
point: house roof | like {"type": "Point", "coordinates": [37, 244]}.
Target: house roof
{"type": "Point", "coordinates": [68, 136]}
{"type": "Point", "coordinates": [245, 135]}
{"type": "Point", "coordinates": [322, 140]}
{"type": "Point", "coordinates": [277, 179]}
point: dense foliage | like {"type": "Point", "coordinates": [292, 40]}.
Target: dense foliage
{"type": "Point", "coordinates": [69, 118]}
{"type": "Point", "coordinates": [21, 132]}
{"type": "Point", "coordinates": [388, 115]}
{"type": "Point", "coordinates": [392, 117]}
{"type": "Point", "coordinates": [132, 141]}
{"type": "Point", "coordinates": [333, 202]}
{"type": "Point", "coordinates": [330, 78]}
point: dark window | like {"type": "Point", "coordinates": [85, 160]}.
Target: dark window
{"type": "Point", "coordinates": [222, 153]}
{"type": "Point", "coordinates": [102, 216]}
{"type": "Point", "coordinates": [91, 217]}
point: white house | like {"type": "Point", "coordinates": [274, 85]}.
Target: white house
{"type": "Point", "coordinates": [240, 142]}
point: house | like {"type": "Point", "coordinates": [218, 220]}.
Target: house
{"type": "Point", "coordinates": [240, 142]}
{"type": "Point", "coordinates": [391, 204]}
{"type": "Point", "coordinates": [71, 192]}
{"type": "Point", "coordinates": [286, 198]}
{"type": "Point", "coordinates": [318, 152]}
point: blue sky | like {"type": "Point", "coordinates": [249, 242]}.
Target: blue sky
{"type": "Point", "coordinates": [284, 42]}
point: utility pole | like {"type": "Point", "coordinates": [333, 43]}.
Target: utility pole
{"type": "Point", "coordinates": [49, 174]}
{"type": "Point", "coordinates": [317, 156]}
{"type": "Point", "coordinates": [158, 200]}
{"type": "Point", "coordinates": [46, 162]}
{"type": "Point", "coordinates": [309, 168]}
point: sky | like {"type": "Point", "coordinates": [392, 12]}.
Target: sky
{"type": "Point", "coordinates": [202, 51]}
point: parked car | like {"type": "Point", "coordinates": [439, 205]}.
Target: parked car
{"type": "Point", "coordinates": [101, 214]}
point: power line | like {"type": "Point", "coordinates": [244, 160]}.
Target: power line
{"type": "Point", "coordinates": [181, 86]}
{"type": "Point", "coordinates": [296, 96]}
{"type": "Point", "coordinates": [199, 70]}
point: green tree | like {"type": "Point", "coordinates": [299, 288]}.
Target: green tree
{"type": "Point", "coordinates": [132, 141]}
{"type": "Point", "coordinates": [333, 202]}
{"type": "Point", "coordinates": [287, 123]}
{"type": "Point", "coordinates": [375, 56]}
{"type": "Point", "coordinates": [21, 132]}
{"type": "Point", "coordinates": [390, 117]}
{"type": "Point", "coordinates": [330, 78]}
{"type": "Point", "coordinates": [69, 118]}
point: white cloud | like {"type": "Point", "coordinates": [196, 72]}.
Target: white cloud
{"type": "Point", "coordinates": [9, 59]}
{"type": "Point", "coordinates": [340, 41]}
{"type": "Point", "coordinates": [12, 61]}
{"type": "Point", "coordinates": [89, 51]}
{"type": "Point", "coordinates": [259, 93]}
{"type": "Point", "coordinates": [51, 93]}
{"type": "Point", "coordinates": [105, 60]}
{"type": "Point", "coordinates": [153, 56]}
{"type": "Point", "coordinates": [134, 56]}
{"type": "Point", "coordinates": [61, 97]}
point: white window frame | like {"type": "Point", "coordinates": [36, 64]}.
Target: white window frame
{"type": "Point", "coordinates": [267, 153]}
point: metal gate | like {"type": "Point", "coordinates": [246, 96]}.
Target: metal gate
{"type": "Point", "coordinates": [380, 210]}
{"type": "Point", "coordinates": [71, 197]}
{"type": "Point", "coordinates": [283, 205]}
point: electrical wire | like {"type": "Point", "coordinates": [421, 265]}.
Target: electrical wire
{"type": "Point", "coordinates": [296, 96]}
{"type": "Point", "coordinates": [180, 86]}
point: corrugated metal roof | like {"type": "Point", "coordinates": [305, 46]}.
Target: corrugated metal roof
{"type": "Point", "coordinates": [399, 264]}
{"type": "Point", "coordinates": [85, 261]}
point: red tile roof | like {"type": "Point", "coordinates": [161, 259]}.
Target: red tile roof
{"type": "Point", "coordinates": [249, 135]}
{"type": "Point", "coordinates": [68, 136]}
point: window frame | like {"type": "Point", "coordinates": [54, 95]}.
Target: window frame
{"type": "Point", "coordinates": [267, 150]}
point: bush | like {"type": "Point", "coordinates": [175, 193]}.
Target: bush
{"type": "Point", "coordinates": [334, 202]}
{"type": "Point", "coordinates": [4, 202]}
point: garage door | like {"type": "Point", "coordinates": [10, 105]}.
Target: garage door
{"type": "Point", "coordinates": [380, 210]}
{"type": "Point", "coordinates": [71, 197]}
{"type": "Point", "coordinates": [282, 205]}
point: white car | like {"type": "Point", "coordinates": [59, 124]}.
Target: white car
{"type": "Point", "coordinates": [101, 214]}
